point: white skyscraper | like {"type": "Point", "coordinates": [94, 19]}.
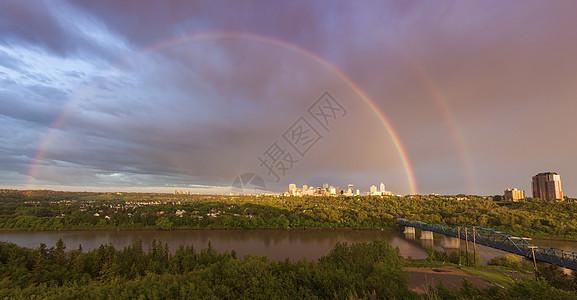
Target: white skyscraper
{"type": "Point", "coordinates": [373, 190]}
{"type": "Point", "coordinates": [382, 188]}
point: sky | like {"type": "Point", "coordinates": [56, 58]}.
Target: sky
{"type": "Point", "coordinates": [443, 97]}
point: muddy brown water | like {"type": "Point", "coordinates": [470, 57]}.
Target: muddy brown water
{"type": "Point", "coordinates": [275, 244]}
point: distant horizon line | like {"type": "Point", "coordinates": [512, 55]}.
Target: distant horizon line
{"type": "Point", "coordinates": [23, 189]}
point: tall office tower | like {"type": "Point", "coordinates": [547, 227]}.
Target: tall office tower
{"type": "Point", "coordinates": [373, 190]}
{"type": "Point", "coordinates": [547, 186]}
{"type": "Point", "coordinates": [325, 186]}
{"type": "Point", "coordinates": [292, 190]}
{"type": "Point", "coordinates": [382, 187]}
{"type": "Point", "coordinates": [351, 187]}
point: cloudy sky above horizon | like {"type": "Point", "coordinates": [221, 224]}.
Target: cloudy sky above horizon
{"type": "Point", "coordinates": [440, 97]}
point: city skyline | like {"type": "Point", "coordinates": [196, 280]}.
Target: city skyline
{"type": "Point", "coordinates": [444, 97]}
{"type": "Point", "coordinates": [327, 189]}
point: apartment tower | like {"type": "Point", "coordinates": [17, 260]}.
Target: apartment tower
{"type": "Point", "coordinates": [547, 186]}
{"type": "Point", "coordinates": [514, 195]}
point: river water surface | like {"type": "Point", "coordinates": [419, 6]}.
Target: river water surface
{"type": "Point", "coordinates": [275, 244]}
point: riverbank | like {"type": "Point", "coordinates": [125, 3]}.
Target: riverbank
{"type": "Point", "coordinates": [198, 229]}
{"type": "Point", "coordinates": [120, 211]}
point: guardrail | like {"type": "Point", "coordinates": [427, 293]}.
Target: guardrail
{"type": "Point", "coordinates": [501, 240]}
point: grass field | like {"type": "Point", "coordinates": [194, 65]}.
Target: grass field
{"type": "Point", "coordinates": [495, 277]}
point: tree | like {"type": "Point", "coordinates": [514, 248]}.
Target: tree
{"type": "Point", "coordinates": [163, 223]}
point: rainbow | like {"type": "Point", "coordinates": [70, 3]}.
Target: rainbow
{"type": "Point", "coordinates": [441, 102]}
{"type": "Point", "coordinates": [259, 39]}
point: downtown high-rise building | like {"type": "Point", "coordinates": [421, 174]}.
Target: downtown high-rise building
{"type": "Point", "coordinates": [373, 190]}
{"type": "Point", "coordinates": [547, 186]}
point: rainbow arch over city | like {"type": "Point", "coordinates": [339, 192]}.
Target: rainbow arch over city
{"type": "Point", "coordinates": [383, 120]}
{"type": "Point", "coordinates": [440, 100]}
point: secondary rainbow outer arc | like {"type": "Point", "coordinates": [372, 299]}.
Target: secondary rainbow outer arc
{"type": "Point", "coordinates": [441, 102]}
{"type": "Point", "coordinates": [456, 132]}
{"type": "Point", "coordinates": [270, 41]}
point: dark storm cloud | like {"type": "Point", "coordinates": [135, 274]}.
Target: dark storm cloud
{"type": "Point", "coordinates": [458, 80]}
{"type": "Point", "coordinates": [111, 131]}
{"type": "Point", "coordinates": [19, 141]}
{"type": "Point", "coordinates": [504, 72]}
{"type": "Point", "coordinates": [31, 24]}
{"type": "Point", "coordinates": [56, 28]}
{"type": "Point", "coordinates": [144, 22]}
{"type": "Point", "coordinates": [32, 111]}
{"type": "Point", "coordinates": [150, 22]}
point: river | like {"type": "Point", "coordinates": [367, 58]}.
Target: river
{"type": "Point", "coordinates": [275, 244]}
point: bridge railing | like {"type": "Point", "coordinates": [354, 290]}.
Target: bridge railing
{"type": "Point", "coordinates": [500, 240]}
{"type": "Point", "coordinates": [559, 257]}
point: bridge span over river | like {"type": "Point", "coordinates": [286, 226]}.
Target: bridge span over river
{"type": "Point", "coordinates": [495, 239]}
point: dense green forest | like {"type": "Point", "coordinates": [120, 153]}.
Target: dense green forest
{"type": "Point", "coordinates": [52, 210]}
{"type": "Point", "coordinates": [350, 271]}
